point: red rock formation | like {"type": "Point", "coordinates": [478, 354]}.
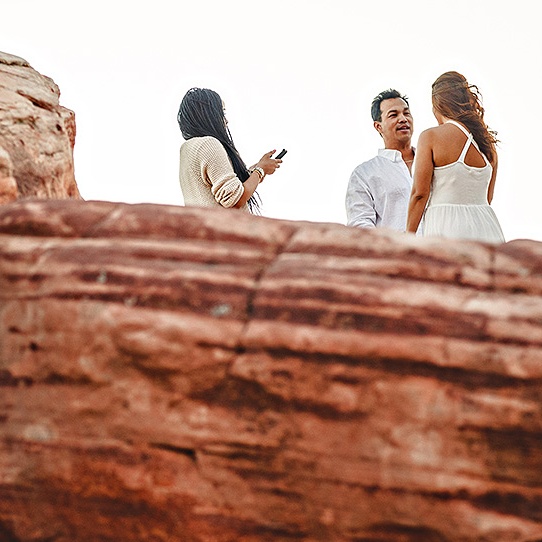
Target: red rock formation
{"type": "Point", "coordinates": [8, 185]}
{"type": "Point", "coordinates": [181, 374]}
{"type": "Point", "coordinates": [37, 135]}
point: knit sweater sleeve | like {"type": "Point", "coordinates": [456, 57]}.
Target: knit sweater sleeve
{"type": "Point", "coordinates": [217, 171]}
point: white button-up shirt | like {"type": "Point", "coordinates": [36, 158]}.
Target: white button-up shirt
{"type": "Point", "coordinates": [378, 192]}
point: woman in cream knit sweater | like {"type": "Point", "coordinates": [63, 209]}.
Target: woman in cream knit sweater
{"type": "Point", "coordinates": [211, 171]}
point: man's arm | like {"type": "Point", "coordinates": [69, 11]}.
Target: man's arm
{"type": "Point", "coordinates": [359, 202]}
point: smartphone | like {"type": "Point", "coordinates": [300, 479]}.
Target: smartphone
{"type": "Point", "coordinates": [281, 154]}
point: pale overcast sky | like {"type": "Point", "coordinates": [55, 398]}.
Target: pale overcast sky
{"type": "Point", "coordinates": [298, 74]}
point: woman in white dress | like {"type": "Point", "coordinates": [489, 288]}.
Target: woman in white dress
{"type": "Point", "coordinates": [455, 167]}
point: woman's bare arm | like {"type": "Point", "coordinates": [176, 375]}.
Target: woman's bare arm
{"type": "Point", "coordinates": [491, 187]}
{"type": "Point", "coordinates": [423, 175]}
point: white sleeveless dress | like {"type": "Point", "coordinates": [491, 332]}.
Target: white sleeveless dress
{"type": "Point", "coordinates": [457, 206]}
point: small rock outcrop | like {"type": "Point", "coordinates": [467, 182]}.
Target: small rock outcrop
{"type": "Point", "coordinates": [8, 184]}
{"type": "Point", "coordinates": [203, 375]}
{"type": "Point", "coordinates": [37, 135]}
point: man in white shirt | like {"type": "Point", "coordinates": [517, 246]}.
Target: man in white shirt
{"type": "Point", "coordinates": [379, 190]}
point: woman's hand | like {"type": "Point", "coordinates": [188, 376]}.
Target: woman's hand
{"type": "Point", "coordinates": [268, 164]}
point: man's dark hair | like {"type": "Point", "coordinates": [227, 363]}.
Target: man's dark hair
{"type": "Point", "coordinates": [376, 113]}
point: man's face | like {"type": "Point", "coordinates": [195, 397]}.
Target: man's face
{"type": "Point", "coordinates": [397, 124]}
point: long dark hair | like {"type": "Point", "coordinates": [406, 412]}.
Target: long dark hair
{"type": "Point", "coordinates": [201, 113]}
{"type": "Point", "coordinates": [454, 98]}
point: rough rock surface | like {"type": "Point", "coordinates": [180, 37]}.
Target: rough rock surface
{"type": "Point", "coordinates": [181, 374]}
{"type": "Point", "coordinates": [8, 185]}
{"type": "Point", "coordinates": [36, 133]}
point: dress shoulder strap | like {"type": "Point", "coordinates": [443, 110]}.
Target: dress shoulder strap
{"type": "Point", "coordinates": [470, 140]}
{"type": "Point", "coordinates": [460, 126]}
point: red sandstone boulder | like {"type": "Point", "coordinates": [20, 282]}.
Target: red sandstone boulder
{"type": "Point", "coordinates": [8, 185]}
{"type": "Point", "coordinates": [37, 135]}
{"type": "Point", "coordinates": [180, 374]}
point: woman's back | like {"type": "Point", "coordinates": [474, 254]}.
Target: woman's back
{"type": "Point", "coordinates": [206, 175]}
{"type": "Point", "coordinates": [461, 173]}
{"type": "Point", "coordinates": [450, 139]}
{"type": "Point", "coordinates": [458, 204]}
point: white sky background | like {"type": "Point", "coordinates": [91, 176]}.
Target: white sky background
{"type": "Point", "coordinates": [299, 74]}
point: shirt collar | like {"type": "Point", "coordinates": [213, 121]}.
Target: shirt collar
{"type": "Point", "coordinates": [392, 154]}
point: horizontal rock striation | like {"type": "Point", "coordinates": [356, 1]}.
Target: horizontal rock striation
{"type": "Point", "coordinates": [182, 374]}
{"type": "Point", "coordinates": [37, 135]}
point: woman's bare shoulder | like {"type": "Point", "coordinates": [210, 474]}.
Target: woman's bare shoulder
{"type": "Point", "coordinates": [442, 128]}
{"type": "Point", "coordinates": [446, 131]}
{"type": "Point", "coordinates": [428, 134]}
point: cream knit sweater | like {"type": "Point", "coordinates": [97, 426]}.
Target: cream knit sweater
{"type": "Point", "coordinates": [206, 174]}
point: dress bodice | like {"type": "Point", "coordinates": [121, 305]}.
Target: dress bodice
{"type": "Point", "coordinates": [459, 183]}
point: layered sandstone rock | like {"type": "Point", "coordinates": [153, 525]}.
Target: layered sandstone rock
{"type": "Point", "coordinates": [8, 184]}
{"type": "Point", "coordinates": [37, 134]}
{"type": "Point", "coordinates": [180, 374]}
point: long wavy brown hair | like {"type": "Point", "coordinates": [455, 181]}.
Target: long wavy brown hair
{"type": "Point", "coordinates": [454, 98]}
